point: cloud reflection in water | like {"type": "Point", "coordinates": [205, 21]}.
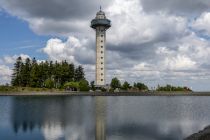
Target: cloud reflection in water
{"type": "Point", "coordinates": [112, 118]}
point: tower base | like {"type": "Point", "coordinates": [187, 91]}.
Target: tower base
{"type": "Point", "coordinates": [102, 88]}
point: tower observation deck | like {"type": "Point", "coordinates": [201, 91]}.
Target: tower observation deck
{"type": "Point", "coordinates": [100, 24]}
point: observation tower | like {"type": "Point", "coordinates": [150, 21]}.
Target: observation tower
{"type": "Point", "coordinates": [100, 24]}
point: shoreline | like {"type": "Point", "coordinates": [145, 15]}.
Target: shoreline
{"type": "Point", "coordinates": [65, 93]}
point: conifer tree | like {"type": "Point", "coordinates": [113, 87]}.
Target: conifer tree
{"type": "Point", "coordinates": [79, 74]}
{"type": "Point", "coordinates": [126, 86]}
{"type": "Point", "coordinates": [16, 76]}
{"type": "Point", "coordinates": [71, 72]}
{"type": "Point", "coordinates": [115, 83]}
{"type": "Point", "coordinates": [25, 72]}
{"type": "Point", "coordinates": [64, 72]}
{"type": "Point", "coordinates": [57, 74]}
{"type": "Point", "coordinates": [34, 74]}
{"type": "Point", "coordinates": [45, 74]}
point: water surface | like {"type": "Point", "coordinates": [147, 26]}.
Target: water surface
{"type": "Point", "coordinates": [100, 118]}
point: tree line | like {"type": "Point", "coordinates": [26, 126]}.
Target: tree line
{"type": "Point", "coordinates": [30, 73]}
{"type": "Point", "coordinates": [172, 88]}
{"type": "Point", "coordinates": [64, 75]}
{"type": "Point", "coordinates": [116, 84]}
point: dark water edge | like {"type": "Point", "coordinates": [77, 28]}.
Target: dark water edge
{"type": "Point", "coordinates": [101, 117]}
{"type": "Point", "coordinates": [105, 93]}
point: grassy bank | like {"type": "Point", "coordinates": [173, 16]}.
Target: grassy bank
{"type": "Point", "coordinates": [11, 89]}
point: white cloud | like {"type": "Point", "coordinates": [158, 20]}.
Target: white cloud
{"type": "Point", "coordinates": [5, 74]}
{"type": "Point", "coordinates": [176, 60]}
{"type": "Point", "coordinates": [5, 70]}
{"type": "Point", "coordinates": [179, 63]}
{"type": "Point", "coordinates": [11, 59]}
{"type": "Point", "coordinates": [6, 66]}
{"type": "Point", "coordinates": [130, 24]}
{"type": "Point", "coordinates": [187, 53]}
{"type": "Point", "coordinates": [57, 50]}
{"type": "Point", "coordinates": [202, 23]}
{"type": "Point", "coordinates": [142, 67]}
{"type": "Point", "coordinates": [195, 47]}
{"type": "Point", "coordinates": [73, 50]}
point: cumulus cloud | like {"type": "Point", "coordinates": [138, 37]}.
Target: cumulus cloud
{"type": "Point", "coordinates": [179, 63]}
{"type": "Point", "coordinates": [8, 59]}
{"type": "Point", "coordinates": [73, 50]}
{"type": "Point", "coordinates": [5, 74]}
{"type": "Point", "coordinates": [133, 25]}
{"type": "Point", "coordinates": [202, 23]}
{"type": "Point", "coordinates": [11, 59]}
{"type": "Point", "coordinates": [6, 66]}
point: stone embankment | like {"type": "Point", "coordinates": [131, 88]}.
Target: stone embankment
{"type": "Point", "coordinates": [201, 135]}
{"type": "Point", "coordinates": [65, 93]}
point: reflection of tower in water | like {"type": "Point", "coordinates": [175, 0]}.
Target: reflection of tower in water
{"type": "Point", "coordinates": [100, 107]}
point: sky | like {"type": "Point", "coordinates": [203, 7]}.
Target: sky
{"type": "Point", "coordinates": [156, 42]}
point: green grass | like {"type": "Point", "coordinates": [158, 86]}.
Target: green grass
{"type": "Point", "coordinates": [26, 89]}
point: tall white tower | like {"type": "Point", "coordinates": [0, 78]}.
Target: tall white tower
{"type": "Point", "coordinates": [100, 24]}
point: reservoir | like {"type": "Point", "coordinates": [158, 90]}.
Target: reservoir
{"type": "Point", "coordinates": [102, 117]}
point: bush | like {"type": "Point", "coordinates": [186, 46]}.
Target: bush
{"type": "Point", "coordinates": [72, 85]}
{"type": "Point", "coordinates": [141, 86]}
{"type": "Point", "coordinates": [111, 90]}
{"type": "Point", "coordinates": [49, 83]}
{"type": "Point", "coordinates": [84, 85]}
{"type": "Point", "coordinates": [103, 89]}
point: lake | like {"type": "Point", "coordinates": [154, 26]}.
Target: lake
{"type": "Point", "coordinates": [104, 117]}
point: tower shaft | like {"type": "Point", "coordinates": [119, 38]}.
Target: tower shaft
{"type": "Point", "coordinates": [100, 55]}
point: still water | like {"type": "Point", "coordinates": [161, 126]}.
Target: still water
{"type": "Point", "coordinates": [100, 118]}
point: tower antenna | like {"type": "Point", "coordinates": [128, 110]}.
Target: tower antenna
{"type": "Point", "coordinates": [100, 7]}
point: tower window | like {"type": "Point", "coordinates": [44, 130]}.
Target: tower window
{"type": "Point", "coordinates": [101, 46]}
{"type": "Point", "coordinates": [102, 36]}
{"type": "Point", "coordinates": [101, 40]}
{"type": "Point", "coordinates": [101, 68]}
{"type": "Point", "coordinates": [102, 63]}
{"type": "Point", "coordinates": [102, 74]}
{"type": "Point", "coordinates": [102, 79]}
{"type": "Point", "coordinates": [101, 51]}
{"type": "Point", "coordinates": [101, 57]}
